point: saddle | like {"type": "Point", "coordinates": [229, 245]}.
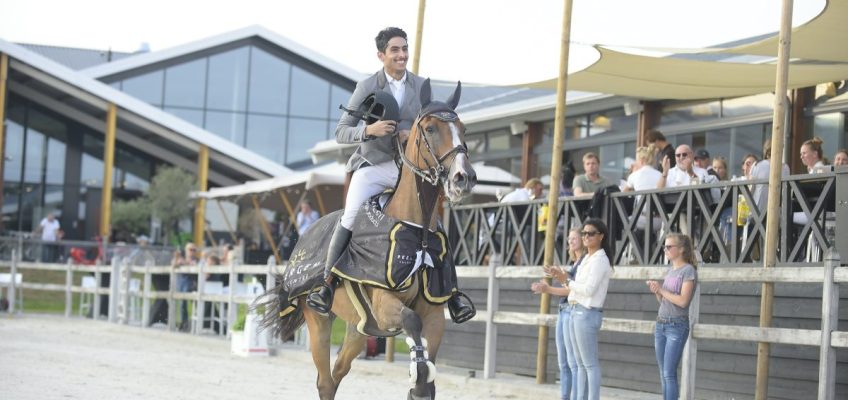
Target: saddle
{"type": "Point", "coordinates": [383, 252]}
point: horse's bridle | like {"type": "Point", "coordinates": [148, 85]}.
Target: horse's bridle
{"type": "Point", "coordinates": [433, 173]}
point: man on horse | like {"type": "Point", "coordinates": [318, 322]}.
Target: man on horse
{"type": "Point", "coordinates": [372, 164]}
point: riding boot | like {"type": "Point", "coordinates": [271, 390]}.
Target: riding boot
{"type": "Point", "coordinates": [320, 298]}
{"type": "Point", "coordinates": [460, 307]}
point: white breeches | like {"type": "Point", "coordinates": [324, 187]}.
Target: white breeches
{"type": "Point", "coordinates": [365, 183]}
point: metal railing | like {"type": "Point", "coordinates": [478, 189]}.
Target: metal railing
{"type": "Point", "coordinates": [638, 221]}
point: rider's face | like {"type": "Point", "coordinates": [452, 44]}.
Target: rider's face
{"type": "Point", "coordinates": [395, 57]}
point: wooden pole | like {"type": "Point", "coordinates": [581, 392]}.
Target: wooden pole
{"type": "Point", "coordinates": [419, 36]}
{"type": "Point", "coordinates": [227, 221]}
{"type": "Point", "coordinates": [266, 230]}
{"type": "Point", "coordinates": [553, 191]}
{"type": "Point", "coordinates": [4, 75]}
{"type": "Point", "coordinates": [773, 213]}
{"type": "Point", "coordinates": [200, 205]}
{"type": "Point", "coordinates": [108, 166]}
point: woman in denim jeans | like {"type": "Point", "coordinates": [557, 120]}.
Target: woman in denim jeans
{"type": "Point", "coordinates": [588, 290]}
{"type": "Point", "coordinates": [564, 341]}
{"type": "Point", "coordinates": [674, 295]}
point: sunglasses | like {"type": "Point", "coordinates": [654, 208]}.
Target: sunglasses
{"type": "Point", "coordinates": [589, 234]}
{"type": "Point", "coordinates": [681, 155]}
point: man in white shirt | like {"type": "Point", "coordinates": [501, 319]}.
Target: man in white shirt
{"type": "Point", "coordinates": [306, 217]}
{"type": "Point", "coordinates": [50, 232]}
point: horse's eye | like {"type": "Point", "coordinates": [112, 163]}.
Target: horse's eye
{"type": "Point", "coordinates": [430, 130]}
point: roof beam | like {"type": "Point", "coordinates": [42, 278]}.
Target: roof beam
{"type": "Point", "coordinates": [59, 85]}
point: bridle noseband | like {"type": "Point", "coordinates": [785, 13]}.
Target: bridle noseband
{"type": "Point", "coordinates": [433, 174]}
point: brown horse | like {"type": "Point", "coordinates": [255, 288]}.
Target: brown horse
{"type": "Point", "coordinates": [435, 164]}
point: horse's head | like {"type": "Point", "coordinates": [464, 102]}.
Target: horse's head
{"type": "Point", "coordinates": [436, 149]}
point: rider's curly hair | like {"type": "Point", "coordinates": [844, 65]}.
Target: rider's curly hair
{"type": "Point", "coordinates": [382, 39]}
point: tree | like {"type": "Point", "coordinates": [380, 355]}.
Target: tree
{"type": "Point", "coordinates": [132, 217]}
{"type": "Point", "coordinates": [169, 198]}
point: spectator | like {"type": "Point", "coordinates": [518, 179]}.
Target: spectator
{"type": "Point", "coordinates": [748, 163]}
{"type": "Point", "coordinates": [49, 231]}
{"type": "Point", "coordinates": [185, 282]}
{"type": "Point", "coordinates": [568, 174]}
{"type": "Point", "coordinates": [306, 217]}
{"type": "Point", "coordinates": [587, 292]}
{"type": "Point", "coordinates": [532, 190]}
{"type": "Point", "coordinates": [702, 160]}
{"type": "Point", "coordinates": [590, 182]}
{"type": "Point", "coordinates": [564, 340]}
{"type": "Point", "coordinates": [210, 312]}
{"type": "Point", "coordinates": [674, 295]}
{"type": "Point", "coordinates": [644, 176]}
{"type": "Point", "coordinates": [720, 168]}
{"type": "Point", "coordinates": [840, 159]}
{"type": "Point", "coordinates": [685, 173]}
{"type": "Point", "coordinates": [657, 139]}
{"type": "Point", "coordinates": [760, 170]}
{"type": "Point", "coordinates": [812, 155]}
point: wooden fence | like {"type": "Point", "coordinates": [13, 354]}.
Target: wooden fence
{"type": "Point", "coordinates": [828, 338]}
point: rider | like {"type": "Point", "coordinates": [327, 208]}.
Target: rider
{"type": "Point", "coordinates": [372, 163]}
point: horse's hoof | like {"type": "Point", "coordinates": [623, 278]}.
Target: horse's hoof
{"type": "Point", "coordinates": [414, 397]}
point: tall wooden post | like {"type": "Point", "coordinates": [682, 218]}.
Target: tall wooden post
{"type": "Point", "coordinates": [4, 75]}
{"type": "Point", "coordinates": [419, 36]}
{"type": "Point", "coordinates": [108, 166]}
{"type": "Point", "coordinates": [553, 192]}
{"type": "Point", "coordinates": [202, 185]}
{"type": "Point", "coordinates": [773, 213]}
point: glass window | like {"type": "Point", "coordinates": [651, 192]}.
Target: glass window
{"type": "Point", "coordinates": [719, 144]}
{"type": "Point", "coordinates": [187, 114]}
{"type": "Point", "coordinates": [228, 80]}
{"type": "Point", "coordinates": [611, 121]}
{"type": "Point", "coordinates": [55, 162]}
{"type": "Point", "coordinates": [502, 140]}
{"type": "Point", "coordinates": [36, 151]}
{"type": "Point", "coordinates": [228, 125]}
{"type": "Point", "coordinates": [14, 148]}
{"type": "Point", "coordinates": [266, 135]}
{"type": "Point", "coordinates": [147, 87]}
{"type": "Point", "coordinates": [747, 105]}
{"type": "Point", "coordinates": [310, 95]}
{"type": "Point", "coordinates": [303, 133]}
{"type": "Point", "coordinates": [185, 84]}
{"type": "Point", "coordinates": [677, 113]}
{"type": "Point", "coordinates": [612, 161]}
{"type": "Point", "coordinates": [92, 171]}
{"type": "Point", "coordinates": [747, 139]}
{"type": "Point", "coordinates": [269, 83]}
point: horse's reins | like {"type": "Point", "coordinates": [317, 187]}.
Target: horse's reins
{"type": "Point", "coordinates": [433, 174]}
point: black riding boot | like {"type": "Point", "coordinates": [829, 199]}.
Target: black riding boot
{"type": "Point", "coordinates": [460, 307]}
{"type": "Point", "coordinates": [320, 298]}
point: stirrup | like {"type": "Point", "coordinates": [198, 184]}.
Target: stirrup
{"type": "Point", "coordinates": [463, 314]}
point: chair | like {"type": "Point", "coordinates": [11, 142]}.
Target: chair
{"type": "Point", "coordinates": [6, 286]}
{"type": "Point", "coordinates": [89, 285]}
{"type": "Point", "coordinates": [219, 308]}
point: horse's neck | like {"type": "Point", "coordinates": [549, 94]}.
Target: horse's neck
{"type": "Point", "coordinates": [405, 205]}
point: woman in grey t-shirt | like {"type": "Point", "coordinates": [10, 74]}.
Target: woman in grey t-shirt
{"type": "Point", "coordinates": [674, 295]}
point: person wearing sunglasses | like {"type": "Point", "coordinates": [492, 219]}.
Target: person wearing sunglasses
{"type": "Point", "coordinates": [685, 172]}
{"type": "Point", "coordinates": [587, 293]}
{"type": "Point", "coordinates": [674, 295]}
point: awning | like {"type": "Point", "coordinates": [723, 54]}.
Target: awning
{"type": "Point", "coordinates": [674, 78]}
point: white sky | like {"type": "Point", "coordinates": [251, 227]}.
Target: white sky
{"type": "Point", "coordinates": [487, 41]}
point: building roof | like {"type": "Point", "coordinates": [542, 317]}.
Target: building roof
{"type": "Point", "coordinates": [145, 59]}
{"type": "Point", "coordinates": [75, 58]}
{"type": "Point", "coordinates": [37, 77]}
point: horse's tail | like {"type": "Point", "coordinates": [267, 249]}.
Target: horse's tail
{"type": "Point", "coordinates": [281, 316]}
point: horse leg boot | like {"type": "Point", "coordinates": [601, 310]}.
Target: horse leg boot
{"type": "Point", "coordinates": [320, 298]}
{"type": "Point", "coordinates": [422, 371]}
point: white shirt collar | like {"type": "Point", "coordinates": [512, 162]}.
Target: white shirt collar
{"type": "Point", "coordinates": [392, 80]}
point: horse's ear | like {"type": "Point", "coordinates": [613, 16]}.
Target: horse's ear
{"type": "Point", "coordinates": [453, 101]}
{"type": "Point", "coordinates": [426, 93]}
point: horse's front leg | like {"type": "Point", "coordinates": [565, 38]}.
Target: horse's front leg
{"type": "Point", "coordinates": [433, 319]}
{"type": "Point", "coordinates": [392, 314]}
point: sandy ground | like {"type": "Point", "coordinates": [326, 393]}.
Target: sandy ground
{"type": "Point", "coordinates": [50, 357]}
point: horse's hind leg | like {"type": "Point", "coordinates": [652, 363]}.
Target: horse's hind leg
{"type": "Point", "coordinates": [319, 343]}
{"type": "Point", "coordinates": [353, 344]}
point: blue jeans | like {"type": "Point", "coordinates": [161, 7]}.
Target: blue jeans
{"type": "Point", "coordinates": [571, 352]}
{"type": "Point", "coordinates": [669, 340]}
{"type": "Point", "coordinates": [565, 354]}
{"type": "Point", "coordinates": [586, 324]}
{"type": "Point", "coordinates": [185, 284]}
